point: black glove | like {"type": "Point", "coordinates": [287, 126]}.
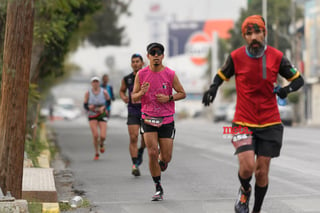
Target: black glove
{"type": "Point", "coordinates": [86, 106]}
{"type": "Point", "coordinates": [209, 95]}
{"type": "Point", "coordinates": [282, 92]}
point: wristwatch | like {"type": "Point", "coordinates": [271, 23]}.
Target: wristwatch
{"type": "Point", "coordinates": [170, 98]}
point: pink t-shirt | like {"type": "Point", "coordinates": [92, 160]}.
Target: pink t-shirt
{"type": "Point", "coordinates": [160, 83]}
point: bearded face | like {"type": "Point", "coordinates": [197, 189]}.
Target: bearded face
{"type": "Point", "coordinates": [255, 38]}
{"type": "Point", "coordinates": [256, 47]}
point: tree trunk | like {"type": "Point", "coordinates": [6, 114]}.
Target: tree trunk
{"type": "Point", "coordinates": [14, 90]}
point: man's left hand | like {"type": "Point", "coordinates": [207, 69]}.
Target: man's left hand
{"type": "Point", "coordinates": [162, 98]}
{"type": "Point", "coordinates": [281, 91]}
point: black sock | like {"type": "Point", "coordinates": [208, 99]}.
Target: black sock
{"type": "Point", "coordinates": [141, 149]}
{"type": "Point", "coordinates": [245, 183]}
{"type": "Point", "coordinates": [134, 160]}
{"type": "Point", "coordinates": [259, 193]}
{"type": "Point", "coordinates": [157, 180]}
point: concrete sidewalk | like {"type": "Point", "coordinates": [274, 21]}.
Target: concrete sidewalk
{"type": "Point", "coordinates": [38, 184]}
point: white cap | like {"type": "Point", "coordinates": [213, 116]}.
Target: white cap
{"type": "Point", "coordinates": [95, 78]}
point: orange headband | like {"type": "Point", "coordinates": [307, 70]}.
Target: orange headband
{"type": "Point", "coordinates": [254, 19]}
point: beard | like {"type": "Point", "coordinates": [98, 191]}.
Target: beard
{"type": "Point", "coordinates": [156, 63]}
{"type": "Point", "coordinates": [256, 48]}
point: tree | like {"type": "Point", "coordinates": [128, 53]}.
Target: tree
{"type": "Point", "coordinates": [14, 90]}
{"type": "Point", "coordinates": [278, 20]}
{"type": "Point", "coordinates": [2, 28]}
{"type": "Point", "coordinates": [107, 31]}
{"type": "Point", "coordinates": [55, 23]}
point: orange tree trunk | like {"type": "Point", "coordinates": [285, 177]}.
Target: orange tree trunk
{"type": "Point", "coordinates": [14, 93]}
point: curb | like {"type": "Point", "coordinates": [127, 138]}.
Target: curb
{"type": "Point", "coordinates": [44, 162]}
{"type": "Point", "coordinates": [50, 208]}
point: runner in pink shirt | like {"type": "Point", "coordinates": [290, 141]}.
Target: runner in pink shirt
{"type": "Point", "coordinates": [154, 86]}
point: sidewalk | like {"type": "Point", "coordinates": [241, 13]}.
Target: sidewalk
{"type": "Point", "coordinates": [38, 184]}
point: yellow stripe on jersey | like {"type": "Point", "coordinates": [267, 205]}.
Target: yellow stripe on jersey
{"type": "Point", "coordinates": [256, 125]}
{"type": "Point", "coordinates": [294, 77]}
{"type": "Point", "coordinates": [222, 76]}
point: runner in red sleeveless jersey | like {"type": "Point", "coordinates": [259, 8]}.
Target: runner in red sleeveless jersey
{"type": "Point", "coordinates": [256, 67]}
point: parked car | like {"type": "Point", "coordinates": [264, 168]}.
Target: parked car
{"type": "Point", "coordinates": [286, 114]}
{"type": "Point", "coordinates": [119, 109]}
{"type": "Point", "coordinates": [220, 112]}
{"type": "Point", "coordinates": [231, 108]}
{"type": "Point", "coordinates": [65, 108]}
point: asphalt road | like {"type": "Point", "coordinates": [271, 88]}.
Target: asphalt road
{"type": "Point", "coordinates": [202, 176]}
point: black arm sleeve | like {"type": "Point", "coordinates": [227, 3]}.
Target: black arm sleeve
{"type": "Point", "coordinates": [295, 84]}
{"type": "Point", "coordinates": [226, 72]}
{"type": "Point", "coordinates": [228, 68]}
{"type": "Point", "coordinates": [288, 71]}
{"type": "Point", "coordinates": [86, 106]}
{"type": "Point", "coordinates": [217, 81]}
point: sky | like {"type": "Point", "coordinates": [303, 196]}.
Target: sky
{"type": "Point", "coordinates": [140, 31]}
{"type": "Point", "coordinates": [138, 27]}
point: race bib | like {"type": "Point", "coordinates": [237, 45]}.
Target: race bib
{"type": "Point", "coordinates": [153, 121]}
{"type": "Point", "coordinates": [239, 140]}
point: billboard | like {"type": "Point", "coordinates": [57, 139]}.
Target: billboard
{"type": "Point", "coordinates": [194, 38]}
{"type": "Point", "coordinates": [189, 43]}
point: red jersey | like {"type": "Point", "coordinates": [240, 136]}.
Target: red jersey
{"type": "Point", "coordinates": [255, 77]}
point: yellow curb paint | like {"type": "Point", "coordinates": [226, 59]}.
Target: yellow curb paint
{"type": "Point", "coordinates": [50, 208]}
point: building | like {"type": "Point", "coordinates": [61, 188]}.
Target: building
{"type": "Point", "coordinates": [312, 62]}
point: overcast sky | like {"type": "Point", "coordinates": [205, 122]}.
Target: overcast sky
{"type": "Point", "coordinates": [138, 28]}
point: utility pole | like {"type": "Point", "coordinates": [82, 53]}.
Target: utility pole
{"type": "Point", "coordinates": [14, 93]}
{"type": "Point", "coordinates": [293, 25]}
{"type": "Point", "coordinates": [265, 14]}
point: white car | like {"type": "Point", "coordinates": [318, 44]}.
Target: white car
{"type": "Point", "coordinates": [119, 109]}
{"type": "Point", "coordinates": [220, 112]}
{"type": "Point", "coordinates": [286, 114]}
{"type": "Point", "coordinates": [231, 108]}
{"type": "Point", "coordinates": [64, 108]}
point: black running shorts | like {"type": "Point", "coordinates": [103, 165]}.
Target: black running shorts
{"type": "Point", "coordinates": [164, 131]}
{"type": "Point", "coordinates": [134, 119]}
{"type": "Point", "coordinates": [266, 141]}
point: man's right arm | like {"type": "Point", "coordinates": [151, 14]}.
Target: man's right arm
{"type": "Point", "coordinates": [139, 91]}
{"type": "Point", "coordinates": [122, 92]}
{"type": "Point", "coordinates": [226, 72]}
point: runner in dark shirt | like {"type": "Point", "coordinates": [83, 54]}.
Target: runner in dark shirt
{"type": "Point", "coordinates": [134, 114]}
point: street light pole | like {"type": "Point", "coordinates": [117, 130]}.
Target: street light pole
{"type": "Point", "coordinates": [293, 25]}
{"type": "Point", "coordinates": [264, 14]}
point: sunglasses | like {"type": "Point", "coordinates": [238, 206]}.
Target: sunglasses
{"type": "Point", "coordinates": [153, 52]}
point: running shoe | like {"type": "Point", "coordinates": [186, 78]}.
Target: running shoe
{"type": "Point", "coordinates": [242, 202]}
{"type": "Point", "coordinates": [140, 157]}
{"type": "Point", "coordinates": [163, 165]}
{"type": "Point", "coordinates": [135, 171]}
{"type": "Point", "coordinates": [96, 157]}
{"type": "Point", "coordinates": [158, 196]}
{"type": "Point", "coordinates": [102, 148]}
